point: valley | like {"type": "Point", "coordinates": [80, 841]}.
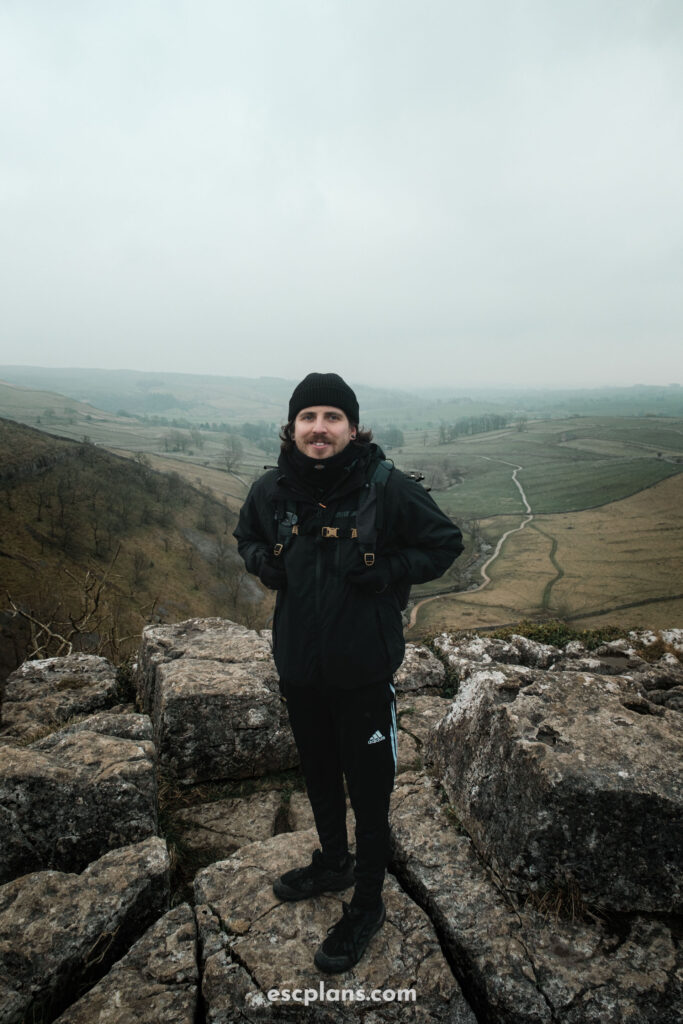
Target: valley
{"type": "Point", "coordinates": [568, 515]}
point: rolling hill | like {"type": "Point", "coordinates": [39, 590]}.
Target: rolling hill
{"type": "Point", "coordinates": [94, 546]}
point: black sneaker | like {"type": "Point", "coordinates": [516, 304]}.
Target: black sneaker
{"type": "Point", "coordinates": [314, 879]}
{"type": "Point", "coordinates": [348, 939]}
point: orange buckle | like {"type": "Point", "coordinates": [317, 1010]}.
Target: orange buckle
{"type": "Point", "coordinates": [354, 532]}
{"type": "Point", "coordinates": [369, 558]}
{"type": "Point", "coordinates": [278, 549]}
{"type": "Point", "coordinates": [295, 530]}
{"type": "Point", "coordinates": [330, 531]}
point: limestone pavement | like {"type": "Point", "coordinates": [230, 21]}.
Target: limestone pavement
{"type": "Point", "coordinates": [536, 871]}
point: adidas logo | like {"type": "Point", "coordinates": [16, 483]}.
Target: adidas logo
{"type": "Point", "coordinates": [376, 737]}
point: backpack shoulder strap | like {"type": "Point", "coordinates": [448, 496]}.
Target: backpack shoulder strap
{"type": "Point", "coordinates": [370, 514]}
{"type": "Point", "coordinates": [286, 517]}
{"type": "Point", "coordinates": [380, 478]}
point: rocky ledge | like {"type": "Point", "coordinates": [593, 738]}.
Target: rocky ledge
{"type": "Point", "coordinates": [536, 873]}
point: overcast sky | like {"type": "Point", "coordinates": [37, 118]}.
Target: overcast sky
{"type": "Point", "coordinates": [404, 191]}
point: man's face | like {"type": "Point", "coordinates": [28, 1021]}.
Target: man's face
{"type": "Point", "coordinates": [321, 431]}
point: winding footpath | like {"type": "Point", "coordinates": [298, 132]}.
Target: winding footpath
{"type": "Point", "coordinates": [486, 579]}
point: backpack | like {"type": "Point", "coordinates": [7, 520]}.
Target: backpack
{"type": "Point", "coordinates": [369, 521]}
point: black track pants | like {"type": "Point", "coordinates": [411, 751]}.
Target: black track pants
{"type": "Point", "coordinates": [349, 734]}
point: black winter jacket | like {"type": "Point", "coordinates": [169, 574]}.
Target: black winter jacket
{"type": "Point", "coordinates": [326, 630]}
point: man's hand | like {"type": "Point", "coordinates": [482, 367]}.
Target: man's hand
{"type": "Point", "coordinates": [272, 575]}
{"type": "Point", "coordinates": [374, 578]}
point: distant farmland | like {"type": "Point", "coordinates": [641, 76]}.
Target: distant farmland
{"type": "Point", "coordinates": [606, 541]}
{"type": "Point", "coordinates": [556, 475]}
{"type": "Point", "coordinates": [619, 564]}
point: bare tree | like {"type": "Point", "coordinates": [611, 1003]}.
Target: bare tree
{"type": "Point", "coordinates": [92, 623]}
{"type": "Point", "coordinates": [473, 527]}
{"type": "Point", "coordinates": [140, 567]}
{"type": "Point", "coordinates": [232, 582]}
{"type": "Point", "coordinates": [222, 556]}
{"type": "Point", "coordinates": [41, 498]}
{"type": "Point", "coordinates": [233, 452]}
{"type": "Point", "coordinates": [196, 438]}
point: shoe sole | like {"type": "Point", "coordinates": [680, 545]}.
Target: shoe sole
{"type": "Point", "coordinates": [288, 895]}
{"type": "Point", "coordinates": [339, 964]}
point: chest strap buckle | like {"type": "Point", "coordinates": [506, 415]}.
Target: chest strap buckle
{"type": "Point", "coordinates": [369, 558]}
{"type": "Point", "coordinates": [337, 532]}
{"type": "Point", "coordinates": [278, 549]}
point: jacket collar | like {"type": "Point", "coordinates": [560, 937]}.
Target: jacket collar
{"type": "Point", "coordinates": [351, 477]}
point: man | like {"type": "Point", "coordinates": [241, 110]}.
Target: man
{"type": "Point", "coordinates": [341, 535]}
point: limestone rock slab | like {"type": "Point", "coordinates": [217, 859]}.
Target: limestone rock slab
{"type": "Point", "coordinates": [251, 943]}
{"type": "Point", "coordinates": [127, 726]}
{"type": "Point", "coordinates": [420, 672]}
{"type": "Point", "coordinates": [42, 695]}
{"type": "Point", "coordinates": [408, 756]}
{"type": "Point", "coordinates": [210, 639]}
{"type": "Point", "coordinates": [564, 778]}
{"type": "Point", "coordinates": [437, 862]}
{"type": "Point", "coordinates": [648, 637]}
{"type": "Point", "coordinates": [671, 699]}
{"type": "Point", "coordinates": [64, 807]}
{"type": "Point", "coordinates": [665, 674]}
{"type": "Point", "coordinates": [213, 693]}
{"type": "Point", "coordinates": [59, 933]}
{"type": "Point", "coordinates": [462, 651]}
{"type": "Point", "coordinates": [300, 816]}
{"type": "Point", "coordinates": [674, 637]}
{"type": "Point", "coordinates": [215, 720]}
{"type": "Point", "coordinates": [299, 813]}
{"type": "Point", "coordinates": [518, 966]}
{"type": "Point", "coordinates": [467, 653]}
{"type": "Point", "coordinates": [157, 980]}
{"type": "Point", "coordinates": [418, 715]}
{"type": "Point", "coordinates": [212, 831]}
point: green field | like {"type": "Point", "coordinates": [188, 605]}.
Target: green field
{"type": "Point", "coordinates": [620, 564]}
{"type": "Point", "coordinates": [555, 476]}
{"type": "Point", "coordinates": [618, 458]}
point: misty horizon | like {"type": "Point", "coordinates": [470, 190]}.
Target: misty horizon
{"type": "Point", "coordinates": [389, 382]}
{"type": "Point", "coordinates": [415, 195]}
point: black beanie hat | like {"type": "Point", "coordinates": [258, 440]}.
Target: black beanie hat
{"type": "Point", "coordinates": [324, 389]}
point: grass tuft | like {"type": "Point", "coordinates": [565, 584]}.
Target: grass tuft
{"type": "Point", "coordinates": [654, 651]}
{"type": "Point", "coordinates": [558, 633]}
{"type": "Point", "coordinates": [563, 901]}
